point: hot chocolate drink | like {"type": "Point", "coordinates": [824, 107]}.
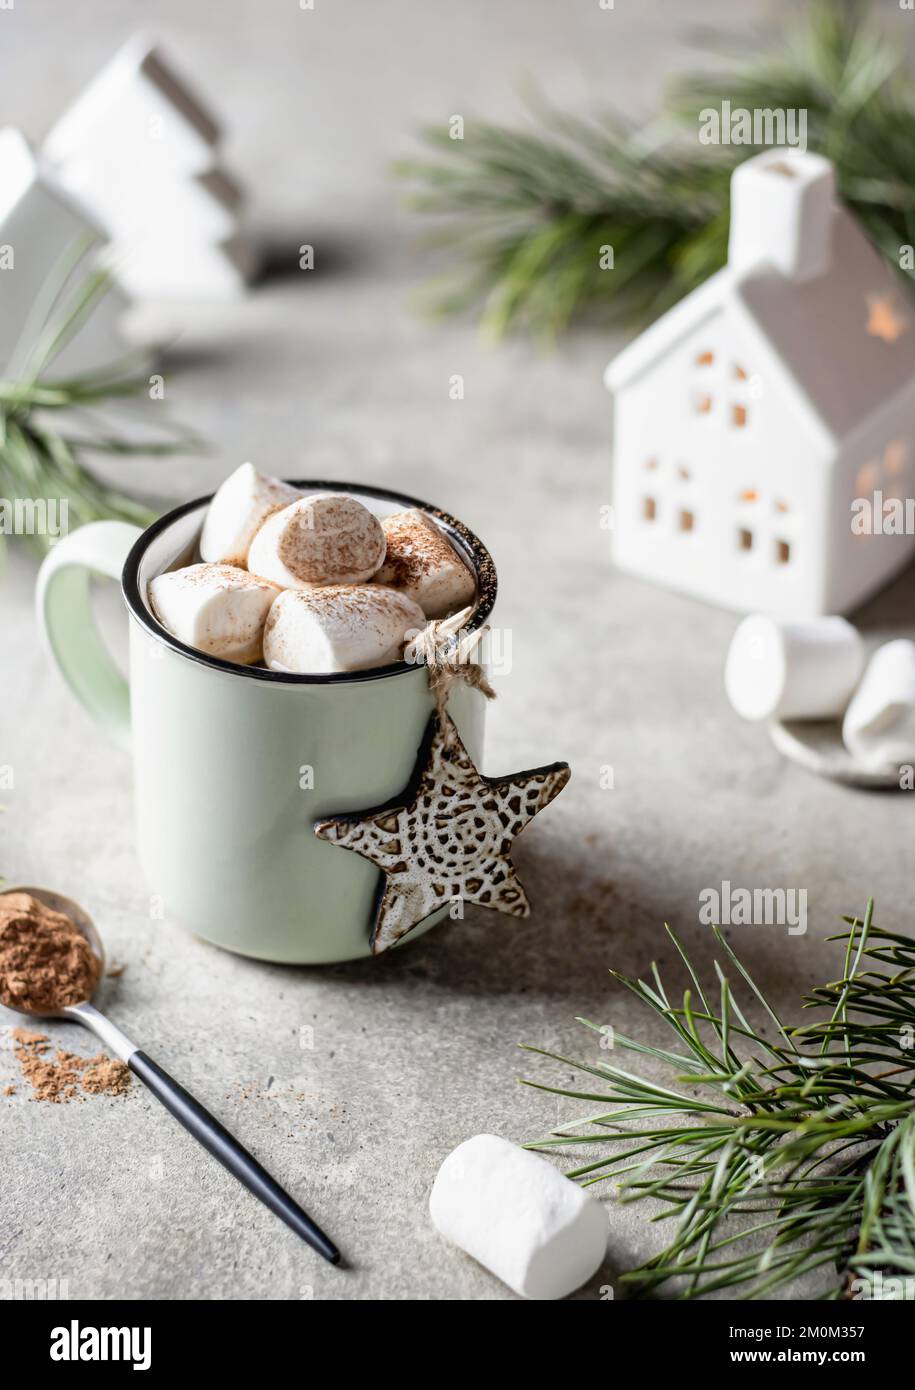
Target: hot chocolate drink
{"type": "Point", "coordinates": [309, 583]}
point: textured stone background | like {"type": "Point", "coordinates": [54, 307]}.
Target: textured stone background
{"type": "Point", "coordinates": [333, 374]}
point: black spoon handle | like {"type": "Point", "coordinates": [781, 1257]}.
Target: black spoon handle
{"type": "Point", "coordinates": [227, 1150]}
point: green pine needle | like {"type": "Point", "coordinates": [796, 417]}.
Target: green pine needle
{"type": "Point", "coordinates": [524, 216]}
{"type": "Point", "coordinates": [805, 1134]}
{"type": "Point", "coordinates": [49, 431]}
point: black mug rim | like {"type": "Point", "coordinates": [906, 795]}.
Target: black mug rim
{"type": "Point", "coordinates": [467, 544]}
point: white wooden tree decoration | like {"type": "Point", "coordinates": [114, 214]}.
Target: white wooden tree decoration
{"type": "Point", "coordinates": [142, 153]}
{"type": "Point", "coordinates": [752, 418]}
{"type": "Point", "coordinates": [41, 231]}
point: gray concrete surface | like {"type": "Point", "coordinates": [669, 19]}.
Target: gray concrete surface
{"type": "Point", "coordinates": [333, 374]}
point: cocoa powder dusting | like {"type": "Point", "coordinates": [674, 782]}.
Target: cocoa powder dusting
{"type": "Point", "coordinates": [415, 548]}
{"type": "Point", "coordinates": [45, 963]}
{"type": "Point", "coordinates": [105, 1076]}
{"type": "Point", "coordinates": [65, 1076]}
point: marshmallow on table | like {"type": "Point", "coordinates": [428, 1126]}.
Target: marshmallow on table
{"type": "Point", "coordinates": [238, 510]}
{"type": "Point", "coordinates": [330, 538]}
{"type": "Point", "coordinates": [879, 724]}
{"type": "Point", "coordinates": [338, 627]}
{"type": "Point", "coordinates": [218, 609]}
{"type": "Point", "coordinates": [516, 1214]}
{"type": "Point", "coordinates": [792, 670]}
{"type": "Point", "coordinates": [422, 563]}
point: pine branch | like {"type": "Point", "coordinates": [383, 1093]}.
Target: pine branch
{"type": "Point", "coordinates": [813, 1130]}
{"type": "Point", "coordinates": [523, 217]}
{"type": "Point", "coordinates": [44, 458]}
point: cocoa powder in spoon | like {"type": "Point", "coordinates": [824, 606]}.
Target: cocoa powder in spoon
{"type": "Point", "coordinates": [45, 963]}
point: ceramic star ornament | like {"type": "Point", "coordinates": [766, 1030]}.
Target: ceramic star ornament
{"type": "Point", "coordinates": [449, 835]}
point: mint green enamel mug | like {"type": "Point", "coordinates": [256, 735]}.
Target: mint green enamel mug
{"type": "Point", "coordinates": [234, 764]}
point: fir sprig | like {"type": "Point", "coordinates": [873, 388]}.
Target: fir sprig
{"type": "Point", "coordinates": [525, 217]}
{"type": "Point", "coordinates": [49, 430]}
{"type": "Point", "coordinates": [804, 1134]}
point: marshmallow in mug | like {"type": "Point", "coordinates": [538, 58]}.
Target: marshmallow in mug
{"type": "Point", "coordinates": [238, 510]}
{"type": "Point", "coordinates": [879, 724]}
{"type": "Point", "coordinates": [421, 563]}
{"type": "Point", "coordinates": [330, 538]}
{"type": "Point", "coordinates": [338, 627]}
{"type": "Point", "coordinates": [792, 670]}
{"type": "Point", "coordinates": [219, 609]}
{"type": "Point", "coordinates": [527, 1223]}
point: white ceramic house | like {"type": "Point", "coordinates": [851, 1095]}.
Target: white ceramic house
{"type": "Point", "coordinates": [41, 227]}
{"type": "Point", "coordinates": [142, 153]}
{"type": "Point", "coordinates": [749, 417]}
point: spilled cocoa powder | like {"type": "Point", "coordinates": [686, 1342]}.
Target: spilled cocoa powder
{"type": "Point", "coordinates": [45, 963]}
{"type": "Point", "coordinates": [66, 1075]}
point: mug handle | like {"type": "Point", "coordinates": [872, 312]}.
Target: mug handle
{"type": "Point", "coordinates": [65, 619]}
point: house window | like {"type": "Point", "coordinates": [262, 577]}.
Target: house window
{"type": "Point", "coordinates": [720, 388]}
{"type": "Point", "coordinates": [649, 509]}
{"type": "Point", "coordinates": [866, 477]}
{"type": "Point", "coordinates": [758, 531]}
{"type": "Point", "coordinates": [685, 520]}
{"type": "Point", "coordinates": [894, 457]}
{"type": "Point", "coordinates": [887, 471]}
{"type": "Point", "coordinates": [894, 468]}
{"type": "Point", "coordinates": [882, 319]}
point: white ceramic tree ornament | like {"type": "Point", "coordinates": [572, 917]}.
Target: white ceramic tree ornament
{"type": "Point", "coordinates": [141, 151]}
{"type": "Point", "coordinates": [41, 230]}
{"type": "Point", "coordinates": [754, 419]}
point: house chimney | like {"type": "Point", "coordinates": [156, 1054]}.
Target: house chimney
{"type": "Point", "coordinates": [781, 207]}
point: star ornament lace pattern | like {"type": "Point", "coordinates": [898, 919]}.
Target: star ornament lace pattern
{"type": "Point", "coordinates": [449, 835]}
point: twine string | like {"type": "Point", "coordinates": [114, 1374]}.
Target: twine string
{"type": "Point", "coordinates": [445, 647]}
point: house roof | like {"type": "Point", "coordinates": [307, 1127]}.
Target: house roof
{"type": "Point", "coordinates": [826, 330]}
{"type": "Point", "coordinates": [843, 339]}
{"type": "Point", "coordinates": [18, 168]}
